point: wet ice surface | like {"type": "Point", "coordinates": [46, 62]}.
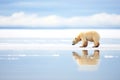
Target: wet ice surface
{"type": "Point", "coordinates": [56, 58]}
{"type": "Point", "coordinates": [59, 64]}
{"type": "Point", "coordinates": [54, 44]}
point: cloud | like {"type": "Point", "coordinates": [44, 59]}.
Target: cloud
{"type": "Point", "coordinates": [34, 20]}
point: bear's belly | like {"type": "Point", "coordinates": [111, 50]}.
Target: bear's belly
{"type": "Point", "coordinates": [89, 39]}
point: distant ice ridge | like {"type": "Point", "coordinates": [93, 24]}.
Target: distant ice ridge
{"type": "Point", "coordinates": [35, 40]}
{"type": "Point", "coordinates": [55, 33]}
{"type": "Point", "coordinates": [8, 46]}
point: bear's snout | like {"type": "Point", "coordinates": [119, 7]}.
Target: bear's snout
{"type": "Point", "coordinates": [73, 44]}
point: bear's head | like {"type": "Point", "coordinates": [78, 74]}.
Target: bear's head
{"type": "Point", "coordinates": [75, 41]}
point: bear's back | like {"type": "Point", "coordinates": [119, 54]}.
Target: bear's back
{"type": "Point", "coordinates": [90, 35]}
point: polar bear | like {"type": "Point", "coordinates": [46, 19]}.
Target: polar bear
{"type": "Point", "coordinates": [91, 36]}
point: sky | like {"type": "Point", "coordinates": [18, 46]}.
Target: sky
{"type": "Point", "coordinates": [59, 14]}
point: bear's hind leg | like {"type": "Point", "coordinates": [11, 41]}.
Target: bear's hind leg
{"type": "Point", "coordinates": [96, 44]}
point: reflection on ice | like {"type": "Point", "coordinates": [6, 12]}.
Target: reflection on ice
{"type": "Point", "coordinates": [18, 56]}
{"type": "Point", "coordinates": [110, 56]}
{"type": "Point", "coordinates": [9, 58]}
{"type": "Point", "coordinates": [86, 61]}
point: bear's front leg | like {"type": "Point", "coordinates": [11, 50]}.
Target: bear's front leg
{"type": "Point", "coordinates": [96, 44]}
{"type": "Point", "coordinates": [85, 43]}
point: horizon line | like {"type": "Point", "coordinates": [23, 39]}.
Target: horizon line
{"type": "Point", "coordinates": [59, 27]}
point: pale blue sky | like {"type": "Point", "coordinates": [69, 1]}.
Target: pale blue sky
{"type": "Point", "coordinates": [61, 8]}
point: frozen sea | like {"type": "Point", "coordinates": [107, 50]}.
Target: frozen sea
{"type": "Point", "coordinates": [50, 55]}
